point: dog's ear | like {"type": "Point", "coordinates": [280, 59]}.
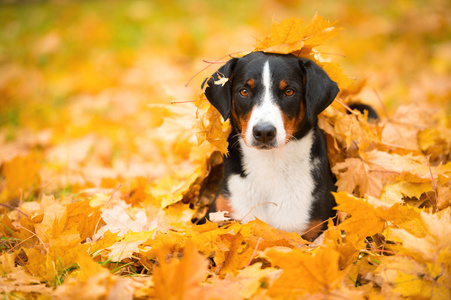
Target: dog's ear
{"type": "Point", "coordinates": [320, 90]}
{"type": "Point", "coordinates": [220, 93]}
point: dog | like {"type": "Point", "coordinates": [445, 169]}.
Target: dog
{"type": "Point", "coordinates": [277, 169]}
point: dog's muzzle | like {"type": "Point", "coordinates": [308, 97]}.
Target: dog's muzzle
{"type": "Point", "coordinates": [264, 136]}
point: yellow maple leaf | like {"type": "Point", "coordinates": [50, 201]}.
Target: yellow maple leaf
{"type": "Point", "coordinates": [169, 190]}
{"type": "Point", "coordinates": [127, 245]}
{"type": "Point", "coordinates": [395, 192]}
{"type": "Point", "coordinates": [21, 173]}
{"type": "Point", "coordinates": [181, 279]}
{"type": "Point", "coordinates": [284, 38]}
{"type": "Point", "coordinates": [289, 36]}
{"type": "Point", "coordinates": [254, 278]}
{"type": "Point", "coordinates": [83, 217]}
{"type": "Point", "coordinates": [210, 127]}
{"type": "Point", "coordinates": [24, 233]}
{"type": "Point", "coordinates": [365, 219]}
{"type": "Point", "coordinates": [53, 223]}
{"type": "Point", "coordinates": [335, 73]}
{"type": "Point", "coordinates": [408, 218]}
{"type": "Point", "coordinates": [238, 256]}
{"type": "Point", "coordinates": [274, 237]}
{"type": "Point", "coordinates": [163, 242]}
{"type": "Point", "coordinates": [39, 264]}
{"type": "Point", "coordinates": [435, 142]}
{"type": "Point", "coordinates": [408, 127]}
{"type": "Point", "coordinates": [404, 276]}
{"type": "Point", "coordinates": [422, 268]}
{"type": "Point", "coordinates": [216, 242]}
{"type": "Point", "coordinates": [347, 130]}
{"type": "Point", "coordinates": [92, 281]}
{"type": "Point", "coordinates": [304, 273]}
{"type": "Point", "coordinates": [89, 268]}
{"type": "Point", "coordinates": [333, 237]}
{"type": "Point", "coordinates": [318, 31]}
{"type": "Point", "coordinates": [15, 279]}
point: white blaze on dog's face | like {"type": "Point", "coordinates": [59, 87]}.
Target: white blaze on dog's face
{"type": "Point", "coordinates": [265, 128]}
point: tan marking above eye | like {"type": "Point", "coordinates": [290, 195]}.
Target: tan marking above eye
{"type": "Point", "coordinates": [282, 85]}
{"type": "Point", "coordinates": [289, 92]}
{"type": "Point", "coordinates": [251, 83]}
{"type": "Point", "coordinates": [244, 92]}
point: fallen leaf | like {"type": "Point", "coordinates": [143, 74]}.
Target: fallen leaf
{"type": "Point", "coordinates": [305, 274]}
{"type": "Point", "coordinates": [365, 219]}
{"type": "Point", "coordinates": [118, 221]}
{"type": "Point", "coordinates": [181, 279]}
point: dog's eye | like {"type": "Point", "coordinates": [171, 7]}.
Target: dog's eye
{"type": "Point", "coordinates": [244, 92]}
{"type": "Point", "coordinates": [289, 92]}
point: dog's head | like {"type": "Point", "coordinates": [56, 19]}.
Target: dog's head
{"type": "Point", "coordinates": [270, 97]}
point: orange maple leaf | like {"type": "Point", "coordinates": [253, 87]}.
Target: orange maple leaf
{"type": "Point", "coordinates": [181, 279]}
{"type": "Point", "coordinates": [365, 219]}
{"type": "Point", "coordinates": [284, 38]}
{"type": "Point", "coordinates": [210, 127]}
{"type": "Point", "coordinates": [304, 273]}
{"type": "Point", "coordinates": [289, 36]}
{"type": "Point", "coordinates": [318, 31]}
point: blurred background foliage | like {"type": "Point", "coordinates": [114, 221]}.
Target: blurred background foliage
{"type": "Point", "coordinates": [79, 68]}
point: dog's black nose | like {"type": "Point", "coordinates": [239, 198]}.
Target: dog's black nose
{"type": "Point", "coordinates": [264, 133]}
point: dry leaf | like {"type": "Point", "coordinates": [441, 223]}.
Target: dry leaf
{"type": "Point", "coordinates": [304, 273]}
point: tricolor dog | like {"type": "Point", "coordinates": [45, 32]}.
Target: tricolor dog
{"type": "Point", "coordinates": [277, 168]}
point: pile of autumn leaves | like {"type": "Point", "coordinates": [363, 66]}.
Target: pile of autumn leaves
{"type": "Point", "coordinates": [394, 238]}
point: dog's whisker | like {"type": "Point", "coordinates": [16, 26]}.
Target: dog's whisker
{"type": "Point", "coordinates": [291, 138]}
{"type": "Point", "coordinates": [236, 139]}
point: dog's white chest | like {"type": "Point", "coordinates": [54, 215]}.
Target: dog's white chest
{"type": "Point", "coordinates": [278, 185]}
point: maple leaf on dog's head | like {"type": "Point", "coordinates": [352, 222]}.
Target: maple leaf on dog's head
{"type": "Point", "coordinates": [288, 36]}
{"type": "Point", "coordinates": [284, 38]}
{"type": "Point", "coordinates": [318, 31]}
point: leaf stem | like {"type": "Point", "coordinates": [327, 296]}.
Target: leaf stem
{"type": "Point", "coordinates": [345, 106]}
{"type": "Point", "coordinates": [433, 182]}
{"type": "Point", "coordinates": [253, 253]}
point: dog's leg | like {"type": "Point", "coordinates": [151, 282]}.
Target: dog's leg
{"type": "Point", "coordinates": [223, 204]}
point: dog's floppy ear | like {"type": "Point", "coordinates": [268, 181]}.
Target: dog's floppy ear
{"type": "Point", "coordinates": [220, 93]}
{"type": "Point", "coordinates": [320, 90]}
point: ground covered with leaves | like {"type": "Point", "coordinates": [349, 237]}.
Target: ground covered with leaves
{"type": "Point", "coordinates": [102, 179]}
